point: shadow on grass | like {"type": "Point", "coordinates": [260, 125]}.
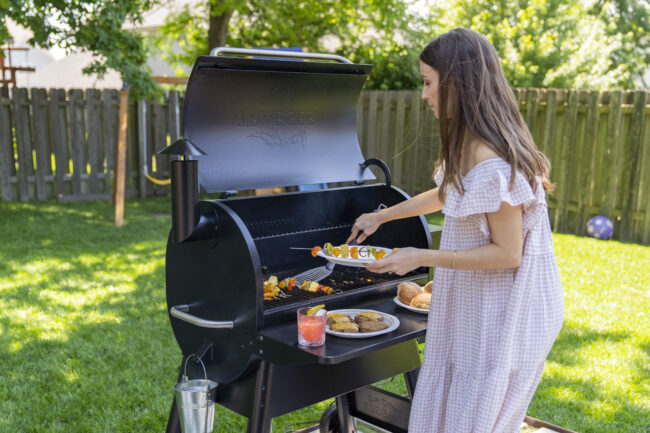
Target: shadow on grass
{"type": "Point", "coordinates": [85, 341]}
{"type": "Point", "coordinates": [95, 372]}
{"type": "Point", "coordinates": [587, 408]}
{"type": "Point", "coordinates": [583, 404]}
{"type": "Point", "coordinates": [569, 345]}
{"type": "Point", "coordinates": [86, 346]}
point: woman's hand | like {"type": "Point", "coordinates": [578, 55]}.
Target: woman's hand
{"type": "Point", "coordinates": [400, 261]}
{"type": "Point", "coordinates": [364, 226]}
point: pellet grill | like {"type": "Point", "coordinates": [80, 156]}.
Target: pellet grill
{"type": "Point", "coordinates": [252, 122]}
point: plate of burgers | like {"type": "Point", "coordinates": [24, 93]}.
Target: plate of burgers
{"type": "Point", "coordinates": [351, 255]}
{"type": "Point", "coordinates": [414, 297]}
{"type": "Point", "coordinates": [358, 323]}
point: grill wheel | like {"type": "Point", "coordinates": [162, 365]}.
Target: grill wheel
{"type": "Point", "coordinates": [329, 421]}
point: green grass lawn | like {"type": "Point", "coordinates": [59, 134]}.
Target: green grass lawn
{"type": "Point", "coordinates": [85, 343]}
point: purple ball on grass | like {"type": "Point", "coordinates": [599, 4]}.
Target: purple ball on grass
{"type": "Point", "coordinates": [600, 227]}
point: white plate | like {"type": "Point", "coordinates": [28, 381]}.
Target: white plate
{"type": "Point", "coordinates": [392, 321]}
{"type": "Point", "coordinates": [349, 261]}
{"type": "Point", "coordinates": [408, 307]}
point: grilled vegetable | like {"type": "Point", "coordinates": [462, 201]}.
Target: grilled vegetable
{"type": "Point", "coordinates": [311, 286]}
{"type": "Point", "coordinates": [326, 289]}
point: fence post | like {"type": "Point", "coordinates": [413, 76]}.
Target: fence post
{"type": "Point", "coordinates": [94, 140]}
{"type": "Point", "coordinates": [110, 124]}
{"type": "Point", "coordinates": [7, 163]}
{"type": "Point", "coordinates": [142, 147]}
{"type": "Point", "coordinates": [398, 153]}
{"type": "Point", "coordinates": [41, 143]}
{"type": "Point", "coordinates": [632, 173]}
{"type": "Point", "coordinates": [22, 126]}
{"type": "Point", "coordinates": [58, 115]}
{"type": "Point", "coordinates": [77, 140]}
{"type": "Point", "coordinates": [610, 152]}
{"type": "Point", "coordinates": [120, 159]}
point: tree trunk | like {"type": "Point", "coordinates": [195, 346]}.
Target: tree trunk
{"type": "Point", "coordinates": [218, 30]}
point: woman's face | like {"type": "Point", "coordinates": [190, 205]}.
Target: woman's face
{"type": "Point", "coordinates": [430, 87]}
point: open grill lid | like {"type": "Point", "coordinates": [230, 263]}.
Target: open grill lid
{"type": "Point", "coordinates": [266, 123]}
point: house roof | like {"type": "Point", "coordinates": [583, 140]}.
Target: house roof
{"type": "Point", "coordinates": [66, 73]}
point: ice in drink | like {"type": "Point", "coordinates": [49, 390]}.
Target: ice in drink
{"type": "Point", "coordinates": [311, 328]}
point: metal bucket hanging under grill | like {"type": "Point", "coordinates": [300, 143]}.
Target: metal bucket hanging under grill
{"type": "Point", "coordinates": [195, 402]}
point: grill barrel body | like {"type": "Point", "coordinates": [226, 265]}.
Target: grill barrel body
{"type": "Point", "coordinates": [221, 278]}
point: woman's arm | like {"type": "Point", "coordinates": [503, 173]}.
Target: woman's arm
{"type": "Point", "coordinates": [504, 252]}
{"type": "Point", "coordinates": [421, 204]}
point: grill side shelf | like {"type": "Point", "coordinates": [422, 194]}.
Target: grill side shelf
{"type": "Point", "coordinates": [337, 349]}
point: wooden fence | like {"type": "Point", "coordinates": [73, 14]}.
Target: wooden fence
{"type": "Point", "coordinates": [598, 144]}
{"type": "Point", "coordinates": [58, 144]}
{"type": "Point", "coordinates": [61, 145]}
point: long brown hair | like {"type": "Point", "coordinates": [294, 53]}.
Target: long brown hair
{"type": "Point", "coordinates": [484, 104]}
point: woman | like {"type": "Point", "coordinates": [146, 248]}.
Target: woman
{"type": "Point", "coordinates": [497, 304]}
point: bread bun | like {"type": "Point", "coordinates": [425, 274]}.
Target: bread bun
{"type": "Point", "coordinates": [428, 287]}
{"type": "Point", "coordinates": [407, 291]}
{"type": "Point", "coordinates": [423, 300]}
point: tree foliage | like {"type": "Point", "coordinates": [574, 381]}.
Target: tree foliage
{"type": "Point", "coordinates": [629, 20]}
{"type": "Point", "coordinates": [546, 43]}
{"type": "Point", "coordinates": [542, 43]}
{"type": "Point", "coordinates": [90, 25]}
{"type": "Point", "coordinates": [365, 31]}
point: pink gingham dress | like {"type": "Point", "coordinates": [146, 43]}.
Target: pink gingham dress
{"type": "Point", "coordinates": [488, 331]}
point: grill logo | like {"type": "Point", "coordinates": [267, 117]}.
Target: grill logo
{"type": "Point", "coordinates": [274, 140]}
{"type": "Point", "coordinates": [276, 118]}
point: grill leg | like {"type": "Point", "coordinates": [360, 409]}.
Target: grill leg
{"type": "Point", "coordinates": [411, 379]}
{"type": "Point", "coordinates": [343, 409]}
{"type": "Point", "coordinates": [260, 422]}
{"type": "Point", "coordinates": [174, 422]}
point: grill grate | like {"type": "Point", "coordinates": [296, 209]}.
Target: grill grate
{"type": "Point", "coordinates": [273, 228]}
{"type": "Point", "coordinates": [343, 279]}
{"type": "Point", "coordinates": [297, 232]}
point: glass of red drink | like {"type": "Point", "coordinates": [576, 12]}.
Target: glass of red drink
{"type": "Point", "coordinates": [311, 328]}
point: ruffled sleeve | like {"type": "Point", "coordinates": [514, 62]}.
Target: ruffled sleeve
{"type": "Point", "coordinates": [487, 188]}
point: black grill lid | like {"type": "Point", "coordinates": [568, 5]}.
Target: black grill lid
{"type": "Point", "coordinates": [265, 123]}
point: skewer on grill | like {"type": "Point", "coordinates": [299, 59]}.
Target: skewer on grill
{"type": "Point", "coordinates": [352, 243]}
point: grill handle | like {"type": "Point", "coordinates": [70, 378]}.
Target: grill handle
{"type": "Point", "coordinates": [270, 53]}
{"type": "Point", "coordinates": [379, 163]}
{"type": "Point", "coordinates": [181, 313]}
